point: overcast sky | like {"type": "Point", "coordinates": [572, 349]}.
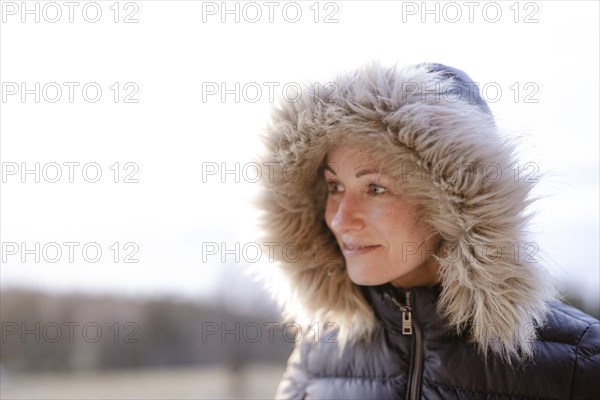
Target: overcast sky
{"type": "Point", "coordinates": [185, 88]}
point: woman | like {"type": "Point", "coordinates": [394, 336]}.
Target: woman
{"type": "Point", "coordinates": [404, 208]}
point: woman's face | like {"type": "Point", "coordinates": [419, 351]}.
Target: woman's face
{"type": "Point", "coordinates": [380, 234]}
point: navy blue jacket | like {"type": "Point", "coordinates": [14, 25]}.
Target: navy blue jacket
{"type": "Point", "coordinates": [429, 362]}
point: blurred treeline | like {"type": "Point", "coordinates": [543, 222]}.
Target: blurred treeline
{"type": "Point", "coordinates": [573, 298]}
{"type": "Point", "coordinates": [42, 332]}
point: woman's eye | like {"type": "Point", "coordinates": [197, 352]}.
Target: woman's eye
{"type": "Point", "coordinates": [376, 189]}
{"type": "Point", "coordinates": [333, 187]}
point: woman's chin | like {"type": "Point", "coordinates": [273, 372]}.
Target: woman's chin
{"type": "Point", "coordinates": [364, 277]}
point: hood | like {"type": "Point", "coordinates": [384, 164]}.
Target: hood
{"type": "Point", "coordinates": [431, 118]}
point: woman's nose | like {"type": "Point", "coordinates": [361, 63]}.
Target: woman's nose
{"type": "Point", "coordinates": [348, 215]}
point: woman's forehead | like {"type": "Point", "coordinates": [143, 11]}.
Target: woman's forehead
{"type": "Point", "coordinates": [352, 157]}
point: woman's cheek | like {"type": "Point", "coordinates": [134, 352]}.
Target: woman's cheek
{"type": "Point", "coordinates": [329, 212]}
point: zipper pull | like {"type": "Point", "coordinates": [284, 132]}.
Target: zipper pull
{"type": "Point", "coordinates": [407, 317]}
{"type": "Point", "coordinates": [407, 327]}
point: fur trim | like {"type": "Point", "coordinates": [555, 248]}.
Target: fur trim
{"type": "Point", "coordinates": [451, 160]}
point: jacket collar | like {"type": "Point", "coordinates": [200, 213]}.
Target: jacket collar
{"type": "Point", "coordinates": [423, 307]}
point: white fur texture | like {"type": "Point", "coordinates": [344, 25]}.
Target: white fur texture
{"type": "Point", "coordinates": [490, 290]}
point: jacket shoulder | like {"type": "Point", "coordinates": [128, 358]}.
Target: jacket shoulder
{"type": "Point", "coordinates": [580, 333]}
{"type": "Point", "coordinates": [566, 324]}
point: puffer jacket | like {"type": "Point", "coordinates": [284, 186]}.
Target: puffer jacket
{"type": "Point", "coordinates": [493, 327]}
{"type": "Point", "coordinates": [422, 359]}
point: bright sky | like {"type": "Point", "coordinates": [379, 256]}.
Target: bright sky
{"type": "Point", "coordinates": [177, 59]}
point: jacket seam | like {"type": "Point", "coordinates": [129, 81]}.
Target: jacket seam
{"type": "Point", "coordinates": [477, 392]}
{"type": "Point", "coordinates": [586, 358]}
{"type": "Point", "coordinates": [357, 377]}
{"type": "Point", "coordinates": [585, 320]}
{"type": "Point", "coordinates": [309, 375]}
{"type": "Point", "coordinates": [570, 343]}
{"type": "Point", "coordinates": [578, 341]}
{"type": "Point", "coordinates": [577, 357]}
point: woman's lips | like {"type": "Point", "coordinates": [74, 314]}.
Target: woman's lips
{"type": "Point", "coordinates": [358, 250]}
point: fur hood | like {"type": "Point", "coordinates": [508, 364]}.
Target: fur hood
{"type": "Point", "coordinates": [438, 137]}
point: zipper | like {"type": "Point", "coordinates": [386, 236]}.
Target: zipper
{"type": "Point", "coordinates": [408, 328]}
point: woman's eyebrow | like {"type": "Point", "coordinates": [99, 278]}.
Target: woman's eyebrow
{"type": "Point", "coordinates": [360, 173]}
{"type": "Point", "coordinates": [367, 172]}
{"type": "Point", "coordinates": [330, 169]}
